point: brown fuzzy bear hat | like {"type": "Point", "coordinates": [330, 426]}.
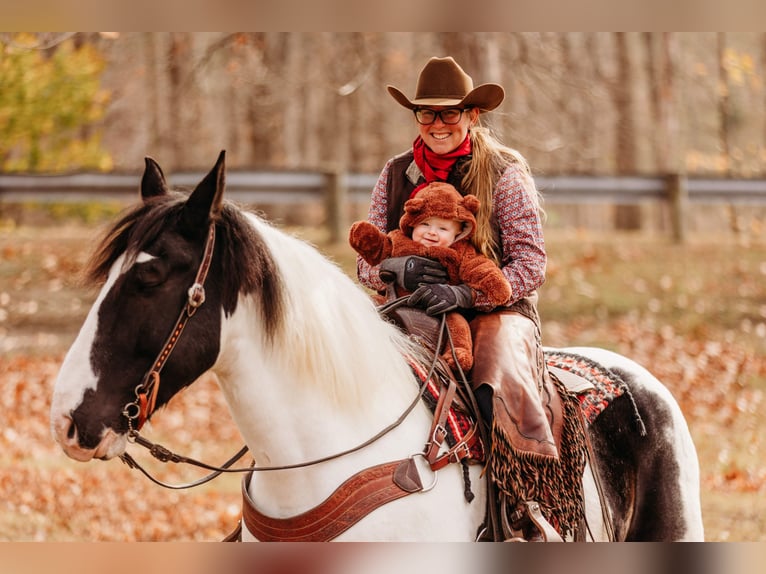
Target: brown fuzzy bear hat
{"type": "Point", "coordinates": [440, 199]}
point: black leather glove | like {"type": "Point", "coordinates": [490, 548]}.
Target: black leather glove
{"type": "Point", "coordinates": [411, 271]}
{"type": "Point", "coordinates": [440, 298]}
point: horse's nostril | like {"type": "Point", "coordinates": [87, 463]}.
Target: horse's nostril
{"type": "Point", "coordinates": [72, 430]}
{"type": "Point", "coordinates": [66, 433]}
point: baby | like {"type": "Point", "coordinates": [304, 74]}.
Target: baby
{"type": "Point", "coordinates": [438, 223]}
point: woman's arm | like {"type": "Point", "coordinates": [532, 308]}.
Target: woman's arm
{"type": "Point", "coordinates": [521, 234]}
{"type": "Point", "coordinates": [369, 275]}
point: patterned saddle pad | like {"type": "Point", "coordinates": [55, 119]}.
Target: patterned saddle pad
{"type": "Point", "coordinates": [595, 386]}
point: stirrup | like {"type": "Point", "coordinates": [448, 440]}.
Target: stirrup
{"type": "Point", "coordinates": [524, 521]}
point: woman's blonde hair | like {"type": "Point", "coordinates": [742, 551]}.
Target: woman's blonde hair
{"type": "Point", "coordinates": [490, 159]}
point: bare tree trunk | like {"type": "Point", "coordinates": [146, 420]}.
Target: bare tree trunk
{"type": "Point", "coordinates": [492, 70]}
{"type": "Point", "coordinates": [177, 53]}
{"type": "Point", "coordinates": [324, 95]}
{"type": "Point", "coordinates": [385, 107]}
{"type": "Point", "coordinates": [521, 97]}
{"type": "Point", "coordinates": [493, 65]}
{"type": "Point", "coordinates": [339, 100]}
{"type": "Point", "coordinates": [672, 145]}
{"type": "Point", "coordinates": [626, 216]}
{"type": "Point", "coordinates": [660, 49]}
{"type": "Point", "coordinates": [593, 145]}
{"type": "Point", "coordinates": [564, 107]}
{"type": "Point", "coordinates": [763, 73]}
{"type": "Point", "coordinates": [653, 74]}
{"type": "Point", "coordinates": [467, 51]}
{"type": "Point", "coordinates": [153, 123]}
{"type": "Point", "coordinates": [723, 100]}
{"type": "Point", "coordinates": [293, 102]}
{"type": "Point", "coordinates": [274, 110]}
{"type": "Point", "coordinates": [625, 152]}
{"type": "Point", "coordinates": [724, 114]}
{"type": "Point", "coordinates": [359, 147]}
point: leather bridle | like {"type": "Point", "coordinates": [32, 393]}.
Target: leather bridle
{"type": "Point", "coordinates": [142, 407]}
{"type": "Point", "coordinates": [139, 410]}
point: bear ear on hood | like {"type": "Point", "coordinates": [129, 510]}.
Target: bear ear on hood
{"type": "Point", "coordinates": [414, 206]}
{"type": "Point", "coordinates": [471, 203]}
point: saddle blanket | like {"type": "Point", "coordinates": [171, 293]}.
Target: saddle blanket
{"type": "Point", "coordinates": [598, 385]}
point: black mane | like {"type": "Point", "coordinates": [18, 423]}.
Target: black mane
{"type": "Point", "coordinates": [242, 264]}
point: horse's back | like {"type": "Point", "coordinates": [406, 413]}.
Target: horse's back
{"type": "Point", "coordinates": [645, 455]}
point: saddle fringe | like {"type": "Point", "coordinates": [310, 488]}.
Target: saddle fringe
{"type": "Point", "coordinates": [554, 483]}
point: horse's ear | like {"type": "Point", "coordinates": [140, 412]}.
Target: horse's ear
{"type": "Point", "coordinates": [153, 181]}
{"type": "Point", "coordinates": [206, 201]}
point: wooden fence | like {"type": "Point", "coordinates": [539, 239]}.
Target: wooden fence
{"type": "Point", "coordinates": [335, 190]}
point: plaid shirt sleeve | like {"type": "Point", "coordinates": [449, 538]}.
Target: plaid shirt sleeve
{"type": "Point", "coordinates": [521, 233]}
{"type": "Point", "coordinates": [369, 275]}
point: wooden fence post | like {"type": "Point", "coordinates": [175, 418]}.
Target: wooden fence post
{"type": "Point", "coordinates": [678, 199]}
{"type": "Point", "coordinates": [336, 201]}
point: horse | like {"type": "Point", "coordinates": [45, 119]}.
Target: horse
{"type": "Point", "coordinates": [310, 371]}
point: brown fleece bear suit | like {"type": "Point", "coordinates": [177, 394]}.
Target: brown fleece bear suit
{"type": "Point", "coordinates": [464, 264]}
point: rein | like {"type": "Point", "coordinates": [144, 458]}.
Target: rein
{"type": "Point", "coordinates": [142, 407]}
{"type": "Point", "coordinates": [370, 488]}
{"type": "Point", "coordinates": [358, 496]}
{"type": "Point", "coordinates": [353, 500]}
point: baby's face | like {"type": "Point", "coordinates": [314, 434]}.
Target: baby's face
{"type": "Point", "coordinates": [436, 232]}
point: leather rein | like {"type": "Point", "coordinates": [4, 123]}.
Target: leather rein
{"type": "Point", "coordinates": [362, 493]}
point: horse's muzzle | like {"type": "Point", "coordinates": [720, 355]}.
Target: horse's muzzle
{"type": "Point", "coordinates": [65, 433]}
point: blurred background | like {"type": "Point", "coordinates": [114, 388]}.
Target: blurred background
{"type": "Point", "coordinates": [649, 148]}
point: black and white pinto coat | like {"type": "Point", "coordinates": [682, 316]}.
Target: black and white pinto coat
{"type": "Point", "coordinates": [309, 369]}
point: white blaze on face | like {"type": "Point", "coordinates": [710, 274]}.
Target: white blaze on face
{"type": "Point", "coordinates": [143, 257]}
{"type": "Point", "coordinates": [76, 374]}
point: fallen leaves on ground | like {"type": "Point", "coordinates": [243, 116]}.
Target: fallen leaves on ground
{"type": "Point", "coordinates": [47, 497]}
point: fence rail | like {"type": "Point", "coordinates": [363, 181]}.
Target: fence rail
{"type": "Point", "coordinates": [336, 189]}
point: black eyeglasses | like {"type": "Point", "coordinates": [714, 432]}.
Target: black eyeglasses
{"type": "Point", "coordinates": [449, 116]}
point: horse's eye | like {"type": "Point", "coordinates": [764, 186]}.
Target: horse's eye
{"type": "Point", "coordinates": [151, 273]}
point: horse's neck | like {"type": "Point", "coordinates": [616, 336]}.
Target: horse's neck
{"type": "Point", "coordinates": [287, 418]}
{"type": "Point", "coordinates": [324, 385]}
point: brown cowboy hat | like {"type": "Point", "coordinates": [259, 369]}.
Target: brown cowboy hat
{"type": "Point", "coordinates": [442, 82]}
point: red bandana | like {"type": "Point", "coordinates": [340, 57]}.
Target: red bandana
{"type": "Point", "coordinates": [436, 167]}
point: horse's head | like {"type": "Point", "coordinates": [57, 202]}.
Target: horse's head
{"type": "Point", "coordinates": [147, 264]}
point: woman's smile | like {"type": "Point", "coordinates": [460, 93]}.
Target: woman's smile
{"type": "Point", "coordinates": [443, 138]}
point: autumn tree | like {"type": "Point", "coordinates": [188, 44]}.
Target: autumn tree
{"type": "Point", "coordinates": [50, 104]}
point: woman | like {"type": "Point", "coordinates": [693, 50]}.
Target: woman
{"type": "Point", "coordinates": [509, 376]}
